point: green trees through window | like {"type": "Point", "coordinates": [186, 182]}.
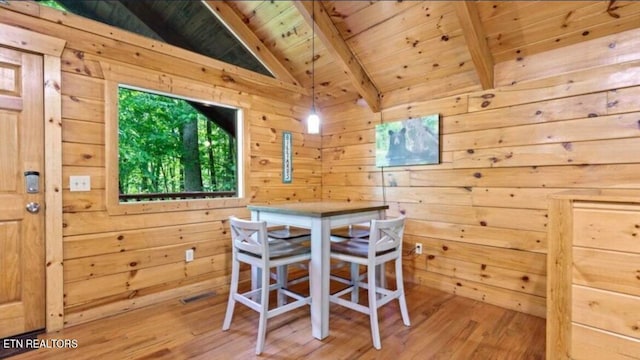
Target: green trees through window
{"type": "Point", "coordinates": [170, 148]}
{"type": "Point", "coordinates": [52, 3]}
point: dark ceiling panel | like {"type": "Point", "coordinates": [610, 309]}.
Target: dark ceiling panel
{"type": "Point", "coordinates": [187, 24]}
{"type": "Point", "coordinates": [156, 22]}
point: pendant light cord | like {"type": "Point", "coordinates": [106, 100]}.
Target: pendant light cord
{"type": "Point", "coordinates": [384, 192]}
{"type": "Point", "coordinates": [313, 57]}
{"type": "Point", "coordinates": [313, 120]}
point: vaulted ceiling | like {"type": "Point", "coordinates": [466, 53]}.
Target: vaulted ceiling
{"type": "Point", "coordinates": [447, 46]}
{"type": "Point", "coordinates": [365, 50]}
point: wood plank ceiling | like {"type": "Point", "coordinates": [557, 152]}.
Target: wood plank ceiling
{"type": "Point", "coordinates": [447, 46]}
{"type": "Point", "coordinates": [366, 51]}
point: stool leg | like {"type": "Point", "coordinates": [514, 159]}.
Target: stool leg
{"type": "Point", "coordinates": [355, 282]}
{"type": "Point", "coordinates": [233, 290]}
{"type": "Point", "coordinates": [264, 310]}
{"type": "Point", "coordinates": [282, 277]}
{"type": "Point", "coordinates": [381, 277]}
{"type": "Point", "coordinates": [256, 275]}
{"type": "Point", "coordinates": [373, 306]}
{"type": "Point", "coordinates": [400, 290]}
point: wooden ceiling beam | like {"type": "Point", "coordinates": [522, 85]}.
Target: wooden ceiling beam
{"type": "Point", "coordinates": [474, 35]}
{"type": "Point", "coordinates": [339, 50]}
{"type": "Point", "coordinates": [234, 22]}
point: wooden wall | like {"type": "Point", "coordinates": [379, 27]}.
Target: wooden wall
{"type": "Point", "coordinates": [556, 121]}
{"type": "Point", "coordinates": [552, 123]}
{"type": "Point", "coordinates": [113, 263]}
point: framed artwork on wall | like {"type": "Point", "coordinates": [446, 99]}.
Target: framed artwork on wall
{"type": "Point", "coordinates": [287, 157]}
{"type": "Point", "coordinates": [408, 142]}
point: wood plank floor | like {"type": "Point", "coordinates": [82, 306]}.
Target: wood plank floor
{"type": "Point", "coordinates": [443, 326]}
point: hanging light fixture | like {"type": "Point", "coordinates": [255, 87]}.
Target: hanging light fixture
{"type": "Point", "coordinates": [313, 121]}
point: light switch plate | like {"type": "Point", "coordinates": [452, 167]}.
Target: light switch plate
{"type": "Point", "coordinates": [189, 255]}
{"type": "Point", "coordinates": [80, 183]}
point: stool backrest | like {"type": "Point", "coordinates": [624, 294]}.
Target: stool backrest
{"type": "Point", "coordinates": [386, 236]}
{"type": "Point", "coordinates": [249, 236]}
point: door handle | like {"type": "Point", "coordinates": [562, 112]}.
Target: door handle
{"type": "Point", "coordinates": [33, 207]}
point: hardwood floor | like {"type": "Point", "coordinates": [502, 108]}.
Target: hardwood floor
{"type": "Point", "coordinates": [443, 326]}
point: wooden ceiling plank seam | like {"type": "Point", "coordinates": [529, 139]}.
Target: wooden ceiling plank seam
{"type": "Point", "coordinates": [300, 54]}
{"type": "Point", "coordinates": [469, 18]}
{"type": "Point", "coordinates": [492, 9]}
{"type": "Point", "coordinates": [234, 23]}
{"type": "Point", "coordinates": [534, 28]}
{"type": "Point", "coordinates": [409, 27]}
{"type": "Point", "coordinates": [607, 50]}
{"type": "Point", "coordinates": [585, 23]}
{"type": "Point", "coordinates": [422, 40]}
{"type": "Point", "coordinates": [567, 39]}
{"type": "Point", "coordinates": [367, 17]}
{"type": "Point", "coordinates": [285, 35]}
{"type": "Point", "coordinates": [420, 62]}
{"type": "Point", "coordinates": [260, 13]}
{"type": "Point", "coordinates": [526, 17]}
{"type": "Point", "coordinates": [439, 75]}
{"type": "Point", "coordinates": [341, 10]}
{"type": "Point", "coordinates": [453, 85]}
{"type": "Point", "coordinates": [280, 31]}
{"type": "Point", "coordinates": [338, 48]}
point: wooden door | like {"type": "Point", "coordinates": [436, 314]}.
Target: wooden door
{"type": "Point", "coordinates": [22, 302]}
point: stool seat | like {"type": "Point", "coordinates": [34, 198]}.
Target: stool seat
{"type": "Point", "coordinates": [354, 246]}
{"type": "Point", "coordinates": [279, 248]}
{"type": "Point", "coordinates": [349, 232]}
{"type": "Point", "coordinates": [287, 232]}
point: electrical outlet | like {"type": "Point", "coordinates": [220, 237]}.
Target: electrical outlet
{"type": "Point", "coordinates": [80, 183]}
{"type": "Point", "coordinates": [188, 255]}
{"type": "Point", "coordinates": [418, 248]}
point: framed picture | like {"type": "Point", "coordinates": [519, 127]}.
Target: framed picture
{"type": "Point", "coordinates": [409, 142]}
{"type": "Point", "coordinates": [287, 157]}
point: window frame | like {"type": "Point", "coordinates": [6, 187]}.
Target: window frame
{"type": "Point", "coordinates": [176, 87]}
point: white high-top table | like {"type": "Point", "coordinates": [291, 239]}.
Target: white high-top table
{"type": "Point", "coordinates": [320, 217]}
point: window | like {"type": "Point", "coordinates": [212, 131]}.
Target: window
{"type": "Point", "coordinates": [172, 144]}
{"type": "Point", "coordinates": [171, 148]}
